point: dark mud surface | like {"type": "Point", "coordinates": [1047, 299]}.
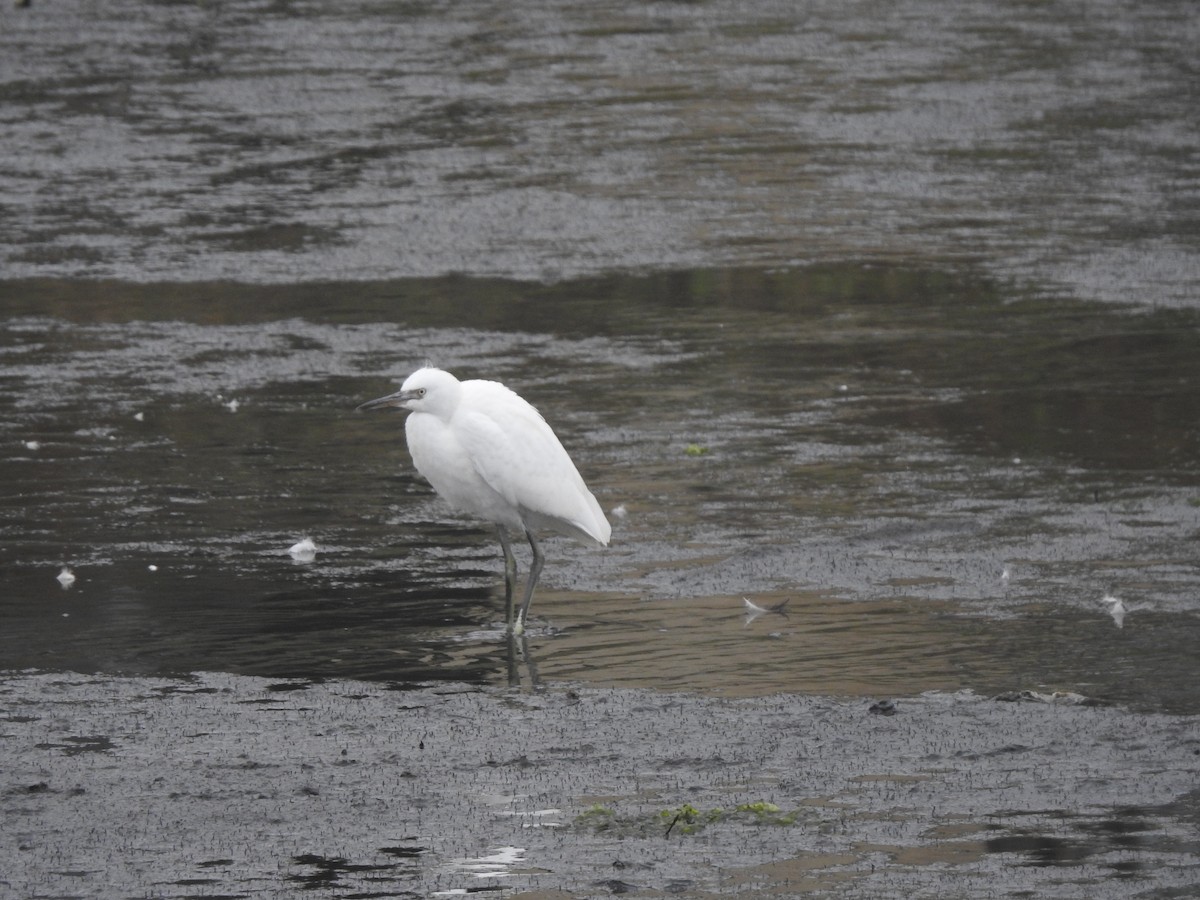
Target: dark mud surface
{"type": "Point", "coordinates": [225, 786]}
{"type": "Point", "coordinates": [1054, 144]}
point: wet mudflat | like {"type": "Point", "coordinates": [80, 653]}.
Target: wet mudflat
{"type": "Point", "coordinates": [285, 141]}
{"type": "Point", "coordinates": [874, 328]}
{"type": "Point", "coordinates": [347, 789]}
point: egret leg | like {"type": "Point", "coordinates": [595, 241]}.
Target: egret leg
{"type": "Point", "coordinates": [514, 670]}
{"type": "Point", "coordinates": [510, 577]}
{"type": "Point", "coordinates": [535, 570]}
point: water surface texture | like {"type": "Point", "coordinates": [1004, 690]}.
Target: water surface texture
{"type": "Point", "coordinates": [810, 292]}
{"type": "Point", "coordinates": [1054, 143]}
{"type": "Point", "coordinates": [941, 480]}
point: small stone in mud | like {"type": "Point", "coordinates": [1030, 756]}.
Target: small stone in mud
{"type": "Point", "coordinates": [617, 886]}
{"type": "Point", "coordinates": [883, 708]}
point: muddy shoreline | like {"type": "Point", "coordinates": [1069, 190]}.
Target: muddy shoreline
{"type": "Point", "coordinates": [220, 785]}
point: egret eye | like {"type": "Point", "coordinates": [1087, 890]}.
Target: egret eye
{"type": "Point", "coordinates": [420, 392]}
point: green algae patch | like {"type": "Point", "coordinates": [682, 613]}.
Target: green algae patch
{"type": "Point", "coordinates": [685, 819]}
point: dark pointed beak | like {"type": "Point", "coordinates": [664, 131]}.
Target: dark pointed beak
{"type": "Point", "coordinates": [397, 399]}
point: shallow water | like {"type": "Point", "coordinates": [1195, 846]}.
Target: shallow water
{"type": "Point", "coordinates": [826, 298]}
{"type": "Point", "coordinates": [873, 446]}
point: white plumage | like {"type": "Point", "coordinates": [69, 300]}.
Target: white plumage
{"type": "Point", "coordinates": [489, 453]}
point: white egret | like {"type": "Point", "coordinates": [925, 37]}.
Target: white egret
{"type": "Point", "coordinates": [489, 453]}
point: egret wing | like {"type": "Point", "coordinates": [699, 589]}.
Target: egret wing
{"type": "Point", "coordinates": [519, 457]}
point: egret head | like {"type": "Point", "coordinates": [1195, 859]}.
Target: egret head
{"type": "Point", "coordinates": [425, 390]}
